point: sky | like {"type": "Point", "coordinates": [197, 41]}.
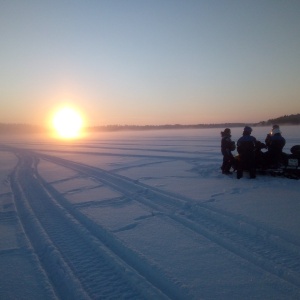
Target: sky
{"type": "Point", "coordinates": [149, 62]}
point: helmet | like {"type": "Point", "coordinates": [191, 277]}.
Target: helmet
{"type": "Point", "coordinates": [275, 130]}
{"type": "Point", "coordinates": [247, 129]}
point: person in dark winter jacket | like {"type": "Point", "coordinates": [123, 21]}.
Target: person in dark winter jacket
{"type": "Point", "coordinates": [275, 143]}
{"type": "Point", "coordinates": [227, 145]}
{"type": "Point", "coordinates": [246, 150]}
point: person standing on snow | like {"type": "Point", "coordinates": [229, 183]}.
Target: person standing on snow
{"type": "Point", "coordinates": [227, 145]}
{"type": "Point", "coordinates": [275, 143]}
{"type": "Point", "coordinates": [246, 150]}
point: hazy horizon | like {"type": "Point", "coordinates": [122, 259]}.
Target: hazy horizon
{"type": "Point", "coordinates": [166, 125]}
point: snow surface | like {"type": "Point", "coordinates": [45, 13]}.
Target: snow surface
{"type": "Point", "coordinates": [144, 215]}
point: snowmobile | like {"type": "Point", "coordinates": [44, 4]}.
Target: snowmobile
{"type": "Point", "coordinates": [287, 166]}
{"type": "Point", "coordinates": [291, 163]}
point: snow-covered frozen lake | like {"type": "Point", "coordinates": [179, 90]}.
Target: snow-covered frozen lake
{"type": "Point", "coordinates": [144, 215]}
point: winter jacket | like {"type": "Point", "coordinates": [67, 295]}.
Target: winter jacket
{"type": "Point", "coordinates": [275, 143]}
{"type": "Point", "coordinates": [227, 145]}
{"type": "Point", "coordinates": [246, 145]}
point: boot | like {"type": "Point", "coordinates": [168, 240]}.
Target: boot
{"type": "Point", "coordinates": [252, 173]}
{"type": "Point", "coordinates": [239, 174]}
{"type": "Point", "coordinates": [226, 168]}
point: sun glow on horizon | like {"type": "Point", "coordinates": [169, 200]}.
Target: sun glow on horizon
{"type": "Point", "coordinates": [67, 122]}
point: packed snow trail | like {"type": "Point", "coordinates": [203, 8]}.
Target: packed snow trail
{"type": "Point", "coordinates": [79, 266]}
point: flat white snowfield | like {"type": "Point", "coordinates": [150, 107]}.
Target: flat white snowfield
{"type": "Point", "coordinates": [144, 215]}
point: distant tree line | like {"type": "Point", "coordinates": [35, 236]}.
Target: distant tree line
{"type": "Point", "coordinates": [26, 128]}
{"type": "Point", "coordinates": [284, 120]}
{"type": "Point", "coordinates": [287, 119]}
{"type": "Point", "coordinates": [160, 127]}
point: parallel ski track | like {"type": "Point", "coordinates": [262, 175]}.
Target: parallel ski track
{"type": "Point", "coordinates": [78, 265]}
{"type": "Point", "coordinates": [267, 248]}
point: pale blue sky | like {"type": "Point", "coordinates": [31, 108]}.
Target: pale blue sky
{"type": "Point", "coordinates": [150, 62]}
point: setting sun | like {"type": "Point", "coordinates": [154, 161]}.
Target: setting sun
{"type": "Point", "coordinates": [67, 122]}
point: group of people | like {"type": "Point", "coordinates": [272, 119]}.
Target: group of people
{"type": "Point", "coordinates": [250, 156]}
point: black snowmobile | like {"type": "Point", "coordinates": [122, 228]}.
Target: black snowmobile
{"type": "Point", "coordinates": [288, 165]}
{"type": "Point", "coordinates": [291, 163]}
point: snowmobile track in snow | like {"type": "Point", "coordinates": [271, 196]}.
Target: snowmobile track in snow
{"type": "Point", "coordinates": [265, 247]}
{"type": "Point", "coordinates": [78, 265]}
